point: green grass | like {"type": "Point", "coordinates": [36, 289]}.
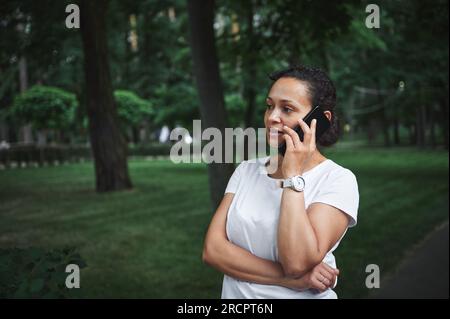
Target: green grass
{"type": "Point", "coordinates": [146, 243]}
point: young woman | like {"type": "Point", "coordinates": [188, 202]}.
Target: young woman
{"type": "Point", "coordinates": [274, 233]}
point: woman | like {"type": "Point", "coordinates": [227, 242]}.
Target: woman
{"type": "Point", "coordinates": [278, 242]}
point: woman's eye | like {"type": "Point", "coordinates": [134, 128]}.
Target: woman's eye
{"type": "Point", "coordinates": [287, 109]}
{"type": "Point", "coordinates": [269, 106]}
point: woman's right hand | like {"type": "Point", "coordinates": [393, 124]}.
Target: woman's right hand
{"type": "Point", "coordinates": [321, 277]}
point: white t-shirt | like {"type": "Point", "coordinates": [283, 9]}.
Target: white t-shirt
{"type": "Point", "coordinates": [252, 219]}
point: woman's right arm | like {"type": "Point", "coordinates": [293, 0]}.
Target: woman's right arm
{"type": "Point", "coordinates": [239, 263]}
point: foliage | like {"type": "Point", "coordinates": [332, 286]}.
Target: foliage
{"type": "Point", "coordinates": [253, 38]}
{"type": "Point", "coordinates": [45, 107]}
{"type": "Point", "coordinates": [36, 273]}
{"type": "Point", "coordinates": [132, 109]}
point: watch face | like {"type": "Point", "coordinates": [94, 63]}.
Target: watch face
{"type": "Point", "coordinates": [298, 183]}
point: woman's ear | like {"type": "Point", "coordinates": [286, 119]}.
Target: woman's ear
{"type": "Point", "coordinates": [328, 115]}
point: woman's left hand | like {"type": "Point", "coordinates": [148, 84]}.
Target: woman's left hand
{"type": "Point", "coordinates": [298, 153]}
{"type": "Point", "coordinates": [321, 278]}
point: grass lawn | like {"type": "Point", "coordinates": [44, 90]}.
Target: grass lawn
{"type": "Point", "coordinates": [146, 243]}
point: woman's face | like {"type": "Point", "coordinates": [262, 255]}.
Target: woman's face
{"type": "Point", "coordinates": [287, 102]}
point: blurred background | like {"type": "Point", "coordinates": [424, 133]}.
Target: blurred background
{"type": "Point", "coordinates": [86, 110]}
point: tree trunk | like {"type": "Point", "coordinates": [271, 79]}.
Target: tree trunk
{"type": "Point", "coordinates": [135, 135]}
{"type": "Point", "coordinates": [249, 69]}
{"type": "Point", "coordinates": [383, 118]}
{"type": "Point", "coordinates": [107, 142]}
{"type": "Point", "coordinates": [432, 126]}
{"type": "Point", "coordinates": [412, 134]}
{"type": "Point", "coordinates": [396, 124]}
{"type": "Point", "coordinates": [443, 106]}
{"type": "Point", "coordinates": [144, 132]}
{"type": "Point", "coordinates": [372, 128]}
{"type": "Point", "coordinates": [27, 133]}
{"type": "Point", "coordinates": [396, 131]}
{"type": "Point", "coordinates": [4, 130]}
{"type": "Point", "coordinates": [420, 125]}
{"type": "Point", "coordinates": [206, 71]}
{"type": "Point", "coordinates": [385, 126]}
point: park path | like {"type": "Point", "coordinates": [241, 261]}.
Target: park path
{"type": "Point", "coordinates": [423, 274]}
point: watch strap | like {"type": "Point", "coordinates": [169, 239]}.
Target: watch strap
{"type": "Point", "coordinates": [287, 183]}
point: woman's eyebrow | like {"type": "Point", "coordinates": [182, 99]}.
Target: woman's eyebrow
{"type": "Point", "coordinates": [291, 102]}
{"type": "Point", "coordinates": [288, 101]}
{"type": "Point", "coordinates": [282, 100]}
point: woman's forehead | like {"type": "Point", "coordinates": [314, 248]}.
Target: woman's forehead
{"type": "Point", "coordinates": [290, 89]}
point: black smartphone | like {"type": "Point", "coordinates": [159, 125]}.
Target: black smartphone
{"type": "Point", "coordinates": [323, 124]}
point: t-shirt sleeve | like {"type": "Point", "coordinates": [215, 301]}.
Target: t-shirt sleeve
{"type": "Point", "coordinates": [234, 180]}
{"type": "Point", "coordinates": [341, 191]}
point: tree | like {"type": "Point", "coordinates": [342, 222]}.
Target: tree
{"type": "Point", "coordinates": [132, 111]}
{"type": "Point", "coordinates": [107, 142]}
{"type": "Point", "coordinates": [257, 37]}
{"type": "Point", "coordinates": [46, 108]}
{"type": "Point", "coordinates": [209, 86]}
{"type": "Point", "coordinates": [408, 54]}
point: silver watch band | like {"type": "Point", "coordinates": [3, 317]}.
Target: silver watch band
{"type": "Point", "coordinates": [287, 183]}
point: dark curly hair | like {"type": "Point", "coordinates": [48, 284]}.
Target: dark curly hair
{"type": "Point", "coordinates": [321, 92]}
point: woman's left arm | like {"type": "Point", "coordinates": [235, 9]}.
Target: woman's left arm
{"type": "Point", "coordinates": [304, 236]}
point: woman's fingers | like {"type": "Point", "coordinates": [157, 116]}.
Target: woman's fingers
{"type": "Point", "coordinates": [329, 276]}
{"type": "Point", "coordinates": [289, 142]}
{"type": "Point", "coordinates": [306, 131]}
{"type": "Point", "coordinates": [330, 273]}
{"type": "Point", "coordinates": [318, 284]}
{"type": "Point", "coordinates": [330, 269]}
{"type": "Point", "coordinates": [313, 132]}
{"type": "Point", "coordinates": [294, 136]}
{"type": "Point", "coordinates": [325, 274]}
{"type": "Point", "coordinates": [309, 134]}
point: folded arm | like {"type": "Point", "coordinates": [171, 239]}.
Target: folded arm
{"type": "Point", "coordinates": [239, 263]}
{"type": "Point", "coordinates": [305, 236]}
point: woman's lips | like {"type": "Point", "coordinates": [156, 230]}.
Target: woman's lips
{"type": "Point", "coordinates": [273, 133]}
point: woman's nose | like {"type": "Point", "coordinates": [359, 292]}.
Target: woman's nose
{"type": "Point", "coordinates": [275, 116]}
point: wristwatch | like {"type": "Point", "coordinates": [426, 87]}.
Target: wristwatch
{"type": "Point", "coordinates": [297, 183]}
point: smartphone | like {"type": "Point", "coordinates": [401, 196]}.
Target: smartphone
{"type": "Point", "coordinates": [322, 125]}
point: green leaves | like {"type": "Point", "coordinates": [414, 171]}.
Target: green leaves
{"type": "Point", "coordinates": [45, 107]}
{"type": "Point", "coordinates": [131, 108]}
{"type": "Point", "coordinates": [36, 273]}
{"type": "Point", "coordinates": [37, 285]}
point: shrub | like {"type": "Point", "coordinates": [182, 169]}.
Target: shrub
{"type": "Point", "coordinates": [132, 109]}
{"type": "Point", "coordinates": [45, 107]}
{"type": "Point", "coordinates": [36, 273]}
